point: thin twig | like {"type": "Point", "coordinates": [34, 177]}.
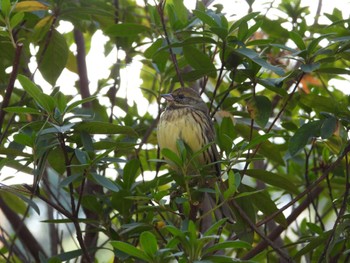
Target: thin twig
{"type": "Point", "coordinates": [27, 238]}
{"type": "Point", "coordinates": [318, 12]}
{"type": "Point", "coordinates": [279, 229]}
{"type": "Point", "coordinates": [310, 188]}
{"type": "Point", "coordinates": [227, 92]}
{"type": "Point", "coordinates": [260, 233]}
{"type": "Point", "coordinates": [218, 83]}
{"type": "Point", "coordinates": [307, 180]}
{"type": "Point", "coordinates": [10, 86]}
{"type": "Point", "coordinates": [274, 121]}
{"type": "Point", "coordinates": [341, 212]}
{"type": "Point", "coordinates": [161, 6]}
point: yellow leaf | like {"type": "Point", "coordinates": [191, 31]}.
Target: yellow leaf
{"type": "Point", "coordinates": [43, 22]}
{"type": "Point", "coordinates": [42, 27]}
{"type": "Point", "coordinates": [29, 6]}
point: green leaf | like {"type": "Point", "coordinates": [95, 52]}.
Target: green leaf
{"type": "Point", "coordinates": [125, 30]}
{"type": "Point", "coordinates": [152, 49]}
{"type": "Point", "coordinates": [308, 68]}
{"type": "Point", "coordinates": [258, 140]}
{"type": "Point", "coordinates": [177, 13]}
{"type": "Point", "coordinates": [242, 31]}
{"type": "Point", "coordinates": [220, 31]}
{"type": "Point", "coordinates": [313, 244]}
{"type": "Point", "coordinates": [30, 202]}
{"type": "Point", "coordinates": [45, 101]}
{"type": "Point", "coordinates": [5, 7]}
{"type": "Point", "coordinates": [267, 148]}
{"type": "Point", "coordinates": [66, 256]}
{"type": "Point", "coordinates": [172, 157]}
{"type": "Point", "coordinates": [260, 110]}
{"type": "Point", "coordinates": [70, 179]}
{"type": "Point", "coordinates": [16, 19]}
{"type": "Point", "coordinates": [130, 250]}
{"type": "Point", "coordinates": [53, 57]}
{"type": "Point", "coordinates": [274, 179]}
{"type": "Point", "coordinates": [130, 172]}
{"type": "Point", "coordinates": [320, 103]}
{"type": "Point", "coordinates": [199, 60]}
{"type": "Point", "coordinates": [251, 54]}
{"type": "Point", "coordinates": [316, 229]}
{"type": "Point", "coordinates": [302, 136]}
{"type": "Point", "coordinates": [297, 39]}
{"type": "Point", "coordinates": [262, 201]}
{"type": "Point", "coordinates": [234, 180]}
{"type": "Point", "coordinates": [329, 126]}
{"type": "Point", "coordinates": [274, 28]}
{"type": "Point", "coordinates": [75, 104]}
{"type": "Point", "coordinates": [246, 18]}
{"type": "Point", "coordinates": [148, 243]}
{"type": "Point", "coordinates": [237, 244]}
{"type": "Point", "coordinates": [314, 42]}
{"type": "Point", "coordinates": [24, 139]}
{"type": "Point", "coordinates": [12, 200]}
{"type": "Point", "coordinates": [226, 134]}
{"type": "Point", "coordinates": [62, 129]}
{"type": "Point", "coordinates": [205, 18]}
{"type": "Point", "coordinates": [60, 101]}
{"type": "Point", "coordinates": [105, 182]}
{"type": "Point", "coordinates": [213, 229]}
{"type": "Point", "coordinates": [194, 75]}
{"type": "Point", "coordinates": [56, 159]}
{"type": "Point", "coordinates": [95, 127]}
{"type": "Point", "coordinates": [241, 227]}
{"type": "Point", "coordinates": [82, 156]}
{"type": "Point", "coordinates": [335, 71]}
{"type": "Point", "coordinates": [248, 194]}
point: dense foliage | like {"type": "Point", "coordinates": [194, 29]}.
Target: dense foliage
{"type": "Point", "coordinates": [282, 130]}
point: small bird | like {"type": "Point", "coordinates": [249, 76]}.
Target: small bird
{"type": "Point", "coordinates": [186, 118]}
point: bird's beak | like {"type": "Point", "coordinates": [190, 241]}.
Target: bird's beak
{"type": "Point", "coordinates": [168, 97]}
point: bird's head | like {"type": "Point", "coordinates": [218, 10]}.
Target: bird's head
{"type": "Point", "coordinates": [185, 97]}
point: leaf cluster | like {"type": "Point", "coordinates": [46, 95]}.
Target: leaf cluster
{"type": "Point", "coordinates": [281, 126]}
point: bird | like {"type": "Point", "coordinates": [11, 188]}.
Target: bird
{"type": "Point", "coordinates": [186, 118]}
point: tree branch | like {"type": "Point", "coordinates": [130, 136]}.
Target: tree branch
{"type": "Point", "coordinates": [82, 68]}
{"type": "Point", "coordinates": [11, 83]}
{"type": "Point", "coordinates": [173, 57]}
{"type": "Point", "coordinates": [23, 233]}
{"type": "Point", "coordinates": [279, 229]}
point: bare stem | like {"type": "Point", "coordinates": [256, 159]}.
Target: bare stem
{"type": "Point", "coordinates": [167, 39]}
{"type": "Point", "coordinates": [10, 86]}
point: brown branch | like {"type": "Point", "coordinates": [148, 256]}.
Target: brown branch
{"type": "Point", "coordinates": [75, 216]}
{"type": "Point", "coordinates": [218, 83]}
{"type": "Point", "coordinates": [161, 6]}
{"type": "Point", "coordinates": [266, 239]}
{"type": "Point", "coordinates": [6, 242]}
{"type": "Point", "coordinates": [284, 106]}
{"type": "Point", "coordinates": [307, 180]}
{"type": "Point", "coordinates": [310, 188]}
{"type": "Point", "coordinates": [10, 86]}
{"type": "Point", "coordinates": [91, 235]}
{"type": "Point", "coordinates": [82, 69]}
{"type": "Point", "coordinates": [340, 214]}
{"type": "Point", "coordinates": [318, 12]}
{"type": "Point", "coordinates": [279, 229]}
{"type": "Point", "coordinates": [26, 237]}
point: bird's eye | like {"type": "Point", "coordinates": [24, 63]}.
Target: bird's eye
{"type": "Point", "coordinates": [181, 96]}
